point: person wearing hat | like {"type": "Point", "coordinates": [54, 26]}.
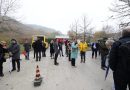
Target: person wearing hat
{"type": "Point", "coordinates": [3, 50]}
{"type": "Point", "coordinates": [15, 50]}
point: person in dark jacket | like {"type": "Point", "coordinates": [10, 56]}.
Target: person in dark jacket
{"type": "Point", "coordinates": [119, 61]}
{"type": "Point", "coordinates": [43, 49]}
{"type": "Point", "coordinates": [15, 50]}
{"type": "Point", "coordinates": [38, 48]}
{"type": "Point", "coordinates": [61, 49]}
{"type": "Point", "coordinates": [27, 48]}
{"type": "Point", "coordinates": [69, 50]}
{"type": "Point", "coordinates": [56, 49]}
{"type": "Point", "coordinates": [66, 48]}
{"type": "Point", "coordinates": [34, 51]}
{"type": "Point", "coordinates": [52, 49]}
{"type": "Point", "coordinates": [104, 52]}
{"type": "Point", "coordinates": [3, 50]}
{"type": "Point", "coordinates": [94, 48]}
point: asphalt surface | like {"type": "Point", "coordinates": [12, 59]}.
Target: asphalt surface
{"type": "Point", "coordinates": [86, 76]}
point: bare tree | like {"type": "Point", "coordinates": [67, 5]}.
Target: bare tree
{"type": "Point", "coordinates": [7, 7]}
{"type": "Point", "coordinates": [85, 27]}
{"type": "Point", "coordinates": [74, 29]}
{"type": "Point", "coordinates": [108, 29]}
{"type": "Point", "coordinates": [122, 12]}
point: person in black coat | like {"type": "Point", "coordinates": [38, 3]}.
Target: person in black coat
{"type": "Point", "coordinates": [27, 48]}
{"type": "Point", "coordinates": [52, 49]}
{"type": "Point", "coordinates": [69, 50]}
{"type": "Point", "coordinates": [3, 50]}
{"type": "Point", "coordinates": [61, 49]}
{"type": "Point", "coordinates": [43, 49]}
{"type": "Point", "coordinates": [104, 52]}
{"type": "Point", "coordinates": [34, 51]}
{"type": "Point", "coordinates": [56, 49]}
{"type": "Point", "coordinates": [15, 50]}
{"type": "Point", "coordinates": [38, 48]}
{"type": "Point", "coordinates": [94, 48]}
{"type": "Point", "coordinates": [119, 61]}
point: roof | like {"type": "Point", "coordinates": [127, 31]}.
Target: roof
{"type": "Point", "coordinates": [64, 37]}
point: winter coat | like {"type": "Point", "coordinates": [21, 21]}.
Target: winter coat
{"type": "Point", "coordinates": [74, 51]}
{"type": "Point", "coordinates": [38, 46]}
{"type": "Point", "coordinates": [56, 48]}
{"type": "Point", "coordinates": [27, 47]}
{"type": "Point", "coordinates": [15, 50]}
{"type": "Point", "coordinates": [103, 48]}
{"type": "Point", "coordinates": [117, 63]}
{"type": "Point", "coordinates": [60, 46]}
{"type": "Point", "coordinates": [2, 53]}
{"type": "Point", "coordinates": [51, 47]}
{"type": "Point", "coordinates": [83, 47]}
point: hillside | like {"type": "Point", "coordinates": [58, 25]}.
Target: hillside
{"type": "Point", "coordinates": [13, 29]}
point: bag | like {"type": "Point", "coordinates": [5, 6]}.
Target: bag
{"type": "Point", "coordinates": [124, 53]}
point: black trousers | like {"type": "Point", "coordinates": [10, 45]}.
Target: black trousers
{"type": "Point", "coordinates": [55, 59]}
{"type": "Point", "coordinates": [14, 61]}
{"type": "Point", "coordinates": [38, 56]}
{"type": "Point", "coordinates": [103, 60]}
{"type": "Point", "coordinates": [34, 53]}
{"type": "Point", "coordinates": [44, 52]}
{"type": "Point", "coordinates": [61, 52]}
{"type": "Point", "coordinates": [69, 55]}
{"type": "Point", "coordinates": [94, 52]}
{"type": "Point", "coordinates": [121, 84]}
{"type": "Point", "coordinates": [73, 61]}
{"type": "Point", "coordinates": [82, 56]}
{"type": "Point", "coordinates": [1, 67]}
{"type": "Point", "coordinates": [52, 55]}
{"type": "Point", "coordinates": [66, 49]}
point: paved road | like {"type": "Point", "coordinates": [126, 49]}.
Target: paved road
{"type": "Point", "coordinates": [86, 76]}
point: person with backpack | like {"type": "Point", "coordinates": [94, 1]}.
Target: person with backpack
{"type": "Point", "coordinates": [104, 52]}
{"type": "Point", "coordinates": [119, 61]}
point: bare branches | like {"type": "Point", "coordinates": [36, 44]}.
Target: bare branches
{"type": "Point", "coordinates": [7, 7]}
{"type": "Point", "coordinates": [81, 29]}
{"type": "Point", "coordinates": [121, 12]}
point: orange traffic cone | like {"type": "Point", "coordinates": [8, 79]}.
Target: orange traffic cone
{"type": "Point", "coordinates": [38, 78]}
{"type": "Point", "coordinates": [37, 73]}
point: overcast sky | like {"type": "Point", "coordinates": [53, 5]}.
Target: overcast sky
{"type": "Point", "coordinates": [59, 14]}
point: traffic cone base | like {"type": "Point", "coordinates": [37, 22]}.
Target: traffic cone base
{"type": "Point", "coordinates": [38, 78]}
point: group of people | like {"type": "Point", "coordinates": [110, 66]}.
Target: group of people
{"type": "Point", "coordinates": [102, 48]}
{"type": "Point", "coordinates": [71, 50]}
{"type": "Point", "coordinates": [117, 52]}
{"type": "Point", "coordinates": [39, 48]}
{"type": "Point", "coordinates": [13, 51]}
{"type": "Point", "coordinates": [118, 55]}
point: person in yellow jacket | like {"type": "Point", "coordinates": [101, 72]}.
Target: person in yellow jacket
{"type": "Point", "coordinates": [83, 48]}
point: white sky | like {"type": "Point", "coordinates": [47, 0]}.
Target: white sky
{"type": "Point", "coordinates": [59, 14]}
